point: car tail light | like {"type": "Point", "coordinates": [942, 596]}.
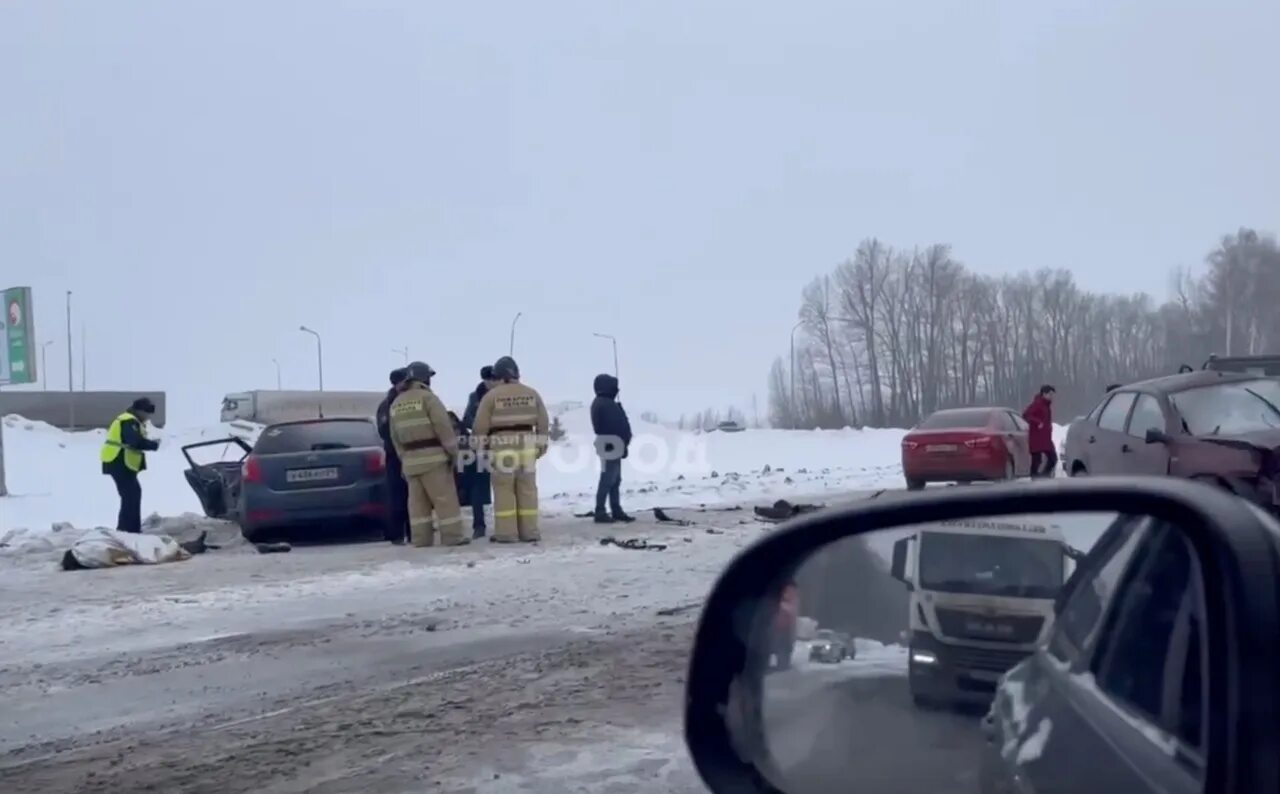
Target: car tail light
{"type": "Point", "coordinates": [374, 509]}
{"type": "Point", "coordinates": [978, 443]}
{"type": "Point", "coordinates": [251, 470]}
{"type": "Point", "coordinates": [910, 444]}
{"type": "Point", "coordinates": [375, 462]}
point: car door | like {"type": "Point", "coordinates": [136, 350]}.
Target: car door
{"type": "Point", "coordinates": [1038, 688]}
{"type": "Point", "coordinates": [1018, 442]}
{"type": "Point", "coordinates": [1136, 455]}
{"type": "Point", "coordinates": [1124, 689]}
{"type": "Point", "coordinates": [1104, 442]}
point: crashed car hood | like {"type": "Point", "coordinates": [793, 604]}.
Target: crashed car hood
{"type": "Point", "coordinates": [1265, 440]}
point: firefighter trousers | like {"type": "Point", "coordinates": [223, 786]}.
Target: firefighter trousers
{"type": "Point", "coordinates": [434, 491]}
{"type": "Point", "coordinates": [515, 497]}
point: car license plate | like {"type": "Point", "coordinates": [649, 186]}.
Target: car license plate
{"type": "Point", "coordinates": [985, 676]}
{"type": "Point", "coordinates": [311, 475]}
{"type": "Point", "coordinates": [941, 448]}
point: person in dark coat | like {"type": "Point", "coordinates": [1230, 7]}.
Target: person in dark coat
{"type": "Point", "coordinates": [1039, 415]}
{"type": "Point", "coordinates": [124, 458]}
{"type": "Point", "coordinates": [613, 438]}
{"type": "Point", "coordinates": [397, 528]}
{"type": "Point", "coordinates": [477, 488]}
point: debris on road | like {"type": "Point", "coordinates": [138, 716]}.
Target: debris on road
{"type": "Point", "coordinates": [637, 544]}
{"type": "Point", "coordinates": [782, 510]}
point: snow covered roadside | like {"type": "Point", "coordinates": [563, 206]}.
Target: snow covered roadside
{"type": "Point", "coordinates": [568, 580]}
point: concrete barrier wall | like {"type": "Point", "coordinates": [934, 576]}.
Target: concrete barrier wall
{"type": "Point", "coordinates": [90, 409]}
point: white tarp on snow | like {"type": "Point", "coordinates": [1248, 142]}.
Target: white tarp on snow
{"type": "Point", "coordinates": [106, 548]}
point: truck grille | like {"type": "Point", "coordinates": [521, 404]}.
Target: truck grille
{"type": "Point", "coordinates": [965, 625]}
{"type": "Point", "coordinates": [996, 661]}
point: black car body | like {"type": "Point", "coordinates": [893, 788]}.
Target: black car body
{"type": "Point", "coordinates": [313, 474]}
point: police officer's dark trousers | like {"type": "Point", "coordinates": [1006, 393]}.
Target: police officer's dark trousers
{"type": "Point", "coordinates": [397, 498]}
{"type": "Point", "coordinates": [130, 490]}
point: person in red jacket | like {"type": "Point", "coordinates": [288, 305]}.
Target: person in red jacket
{"type": "Point", "coordinates": [1039, 414]}
{"type": "Point", "coordinates": [785, 623]}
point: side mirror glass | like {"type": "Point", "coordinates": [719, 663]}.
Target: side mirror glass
{"type": "Point", "coordinates": [887, 683]}
{"type": "Point", "coordinates": [898, 567]}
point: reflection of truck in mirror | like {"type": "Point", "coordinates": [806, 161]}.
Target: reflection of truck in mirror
{"type": "Point", "coordinates": [981, 599]}
{"type": "Point", "coordinates": [270, 407]}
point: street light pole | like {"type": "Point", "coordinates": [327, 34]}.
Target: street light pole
{"type": "Point", "coordinates": [794, 328]}
{"type": "Point", "coordinates": [404, 351]}
{"type": "Point", "coordinates": [71, 387]}
{"type": "Point", "coordinates": [319, 353]}
{"type": "Point", "coordinates": [279, 381]}
{"type": "Point", "coordinates": [511, 348]}
{"type": "Point", "coordinates": [44, 365]}
{"type": "Point", "coordinates": [615, 350]}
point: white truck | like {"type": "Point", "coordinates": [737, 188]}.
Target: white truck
{"type": "Point", "coordinates": [982, 595]}
{"type": "Point", "coordinates": [269, 407]}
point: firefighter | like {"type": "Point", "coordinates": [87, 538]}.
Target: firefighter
{"type": "Point", "coordinates": [123, 458]}
{"type": "Point", "coordinates": [397, 529]}
{"type": "Point", "coordinates": [427, 445]}
{"type": "Point", "coordinates": [511, 424]}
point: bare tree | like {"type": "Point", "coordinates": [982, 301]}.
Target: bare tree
{"type": "Point", "coordinates": [893, 335]}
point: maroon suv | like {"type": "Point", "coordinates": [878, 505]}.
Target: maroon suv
{"type": "Point", "coordinates": [1218, 426]}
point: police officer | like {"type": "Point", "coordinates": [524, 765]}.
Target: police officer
{"type": "Point", "coordinates": [512, 424]}
{"type": "Point", "coordinates": [397, 489]}
{"type": "Point", "coordinates": [123, 457]}
{"type": "Point", "coordinates": [425, 440]}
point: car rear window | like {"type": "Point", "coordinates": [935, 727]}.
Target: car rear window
{"type": "Point", "coordinates": [323, 434]}
{"type": "Point", "coordinates": [950, 420]}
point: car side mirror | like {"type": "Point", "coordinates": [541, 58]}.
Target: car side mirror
{"type": "Point", "coordinates": [1157, 436]}
{"type": "Point", "coordinates": [768, 712]}
{"type": "Point", "coordinates": [898, 566]}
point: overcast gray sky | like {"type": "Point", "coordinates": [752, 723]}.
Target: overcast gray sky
{"type": "Point", "coordinates": [208, 175]}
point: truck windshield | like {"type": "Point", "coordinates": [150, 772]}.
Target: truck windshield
{"type": "Point", "coordinates": [991, 565]}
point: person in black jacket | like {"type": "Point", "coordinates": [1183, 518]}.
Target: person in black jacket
{"type": "Point", "coordinates": [124, 458]}
{"type": "Point", "coordinates": [613, 437]}
{"type": "Point", "coordinates": [476, 484]}
{"type": "Point", "coordinates": [397, 528]}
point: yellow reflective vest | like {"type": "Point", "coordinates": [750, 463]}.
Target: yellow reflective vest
{"type": "Point", "coordinates": [113, 446]}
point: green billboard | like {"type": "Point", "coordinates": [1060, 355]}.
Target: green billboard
{"type": "Point", "coordinates": [17, 344]}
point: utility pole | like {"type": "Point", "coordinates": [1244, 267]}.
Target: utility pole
{"type": "Point", "coordinates": [615, 351]}
{"type": "Point", "coordinates": [319, 353]}
{"type": "Point", "coordinates": [71, 387]}
{"type": "Point", "coordinates": [404, 351]}
{"type": "Point", "coordinates": [511, 349]}
{"type": "Point", "coordinates": [794, 328]}
{"type": "Point", "coordinates": [44, 365]}
{"type": "Point", "coordinates": [84, 361]}
{"type": "Point", "coordinates": [279, 387]}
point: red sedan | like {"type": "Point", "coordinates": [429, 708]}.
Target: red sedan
{"type": "Point", "coordinates": [966, 444]}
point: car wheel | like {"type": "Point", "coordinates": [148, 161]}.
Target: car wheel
{"type": "Point", "coordinates": [1010, 472]}
{"type": "Point", "coordinates": [1078, 470]}
{"type": "Point", "coordinates": [255, 535]}
{"type": "Point", "coordinates": [915, 485]}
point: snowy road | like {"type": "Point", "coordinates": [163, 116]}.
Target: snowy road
{"type": "Point", "coordinates": [367, 667]}
{"type": "Point", "coordinates": [866, 728]}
